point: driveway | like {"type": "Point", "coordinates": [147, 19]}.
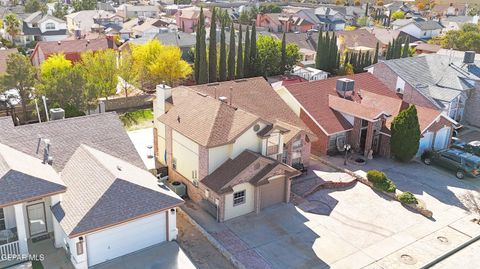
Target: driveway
{"type": "Point", "coordinates": [166, 255]}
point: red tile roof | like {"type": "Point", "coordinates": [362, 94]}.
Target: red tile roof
{"type": "Point", "coordinates": [370, 98]}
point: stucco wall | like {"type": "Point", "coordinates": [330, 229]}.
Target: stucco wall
{"type": "Point", "coordinates": [185, 151]}
{"type": "Point", "coordinates": [247, 207]}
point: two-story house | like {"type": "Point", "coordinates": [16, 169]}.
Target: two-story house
{"type": "Point", "coordinates": [40, 27]}
{"type": "Point", "coordinates": [444, 82]}
{"type": "Point", "coordinates": [233, 144]}
{"type": "Point", "coordinates": [420, 29]}
{"type": "Point", "coordinates": [187, 18]}
{"type": "Point", "coordinates": [128, 11]}
{"type": "Point", "coordinates": [323, 18]}
{"type": "Point", "coordinates": [82, 22]}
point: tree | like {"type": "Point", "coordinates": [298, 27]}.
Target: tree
{"type": "Point", "coordinates": [375, 57]}
{"type": "Point", "coordinates": [246, 54]}
{"type": "Point", "coordinates": [12, 25]}
{"type": "Point", "coordinates": [231, 54]}
{"type": "Point", "coordinates": [270, 8]}
{"type": "Point", "coordinates": [63, 84]}
{"type": "Point", "coordinates": [405, 137]}
{"type": "Point", "coordinates": [212, 50]}
{"type": "Point", "coordinates": [269, 55]}
{"type": "Point", "coordinates": [398, 15]}
{"type": "Point", "coordinates": [79, 5]}
{"type": "Point", "coordinates": [125, 72]}
{"type": "Point", "coordinates": [223, 55]}
{"type": "Point", "coordinates": [406, 48]}
{"type": "Point", "coordinates": [20, 75]}
{"type": "Point", "coordinates": [467, 38]}
{"type": "Point", "coordinates": [202, 61]}
{"type": "Point", "coordinates": [240, 55]}
{"type": "Point", "coordinates": [244, 18]}
{"type": "Point", "coordinates": [320, 52]}
{"type": "Point", "coordinates": [253, 52]}
{"type": "Point", "coordinates": [32, 6]}
{"type": "Point", "coordinates": [283, 60]}
{"type": "Point", "coordinates": [196, 61]}
{"type": "Point", "coordinates": [60, 10]}
{"type": "Point", "coordinates": [100, 72]}
{"type": "Point", "coordinates": [155, 63]}
{"type": "Point", "coordinates": [471, 200]}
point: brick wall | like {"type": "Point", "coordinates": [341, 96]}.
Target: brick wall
{"type": "Point", "coordinates": [305, 150]}
{"type": "Point", "coordinates": [389, 78]}
{"type": "Point", "coordinates": [355, 134]}
{"type": "Point", "coordinates": [319, 146]}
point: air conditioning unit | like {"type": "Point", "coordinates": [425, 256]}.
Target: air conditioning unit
{"type": "Point", "coordinates": [195, 183]}
{"type": "Point", "coordinates": [400, 90]}
{"type": "Point", "coordinates": [179, 188]}
{"type": "Point", "coordinates": [57, 114]}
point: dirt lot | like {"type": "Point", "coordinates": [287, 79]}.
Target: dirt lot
{"type": "Point", "coordinates": [200, 251]}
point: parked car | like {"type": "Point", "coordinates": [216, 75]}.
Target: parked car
{"type": "Point", "coordinates": [471, 147]}
{"type": "Point", "coordinates": [463, 163]}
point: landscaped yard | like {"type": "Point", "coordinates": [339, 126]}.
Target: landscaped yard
{"type": "Point", "coordinates": [138, 119]}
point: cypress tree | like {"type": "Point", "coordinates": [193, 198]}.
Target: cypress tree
{"type": "Point", "coordinates": [366, 10]}
{"type": "Point", "coordinates": [240, 55]}
{"type": "Point", "coordinates": [212, 50]}
{"type": "Point", "coordinates": [347, 59]}
{"type": "Point", "coordinates": [405, 49]}
{"type": "Point", "coordinates": [326, 50]}
{"type": "Point", "coordinates": [253, 52]}
{"type": "Point", "coordinates": [283, 61]}
{"type": "Point", "coordinates": [246, 56]}
{"type": "Point", "coordinates": [375, 57]}
{"type": "Point", "coordinates": [196, 64]}
{"type": "Point", "coordinates": [231, 55]}
{"type": "Point", "coordinates": [203, 73]}
{"type": "Point", "coordinates": [388, 55]}
{"type": "Point", "coordinates": [337, 63]}
{"type": "Point", "coordinates": [319, 53]}
{"type": "Point", "coordinates": [405, 137]}
{"type": "Point", "coordinates": [223, 55]}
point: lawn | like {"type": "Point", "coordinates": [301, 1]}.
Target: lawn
{"type": "Point", "coordinates": [138, 119]}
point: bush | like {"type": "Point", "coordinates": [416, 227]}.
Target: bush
{"type": "Point", "coordinates": [376, 176]}
{"type": "Point", "coordinates": [380, 181]}
{"type": "Point", "coordinates": [407, 198]}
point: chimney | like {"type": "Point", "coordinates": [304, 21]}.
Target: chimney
{"type": "Point", "coordinates": [345, 86]}
{"type": "Point", "coordinates": [469, 57]}
{"type": "Point", "coordinates": [163, 92]}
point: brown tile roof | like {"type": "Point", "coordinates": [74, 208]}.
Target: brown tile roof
{"type": "Point", "coordinates": [102, 131]}
{"type": "Point", "coordinates": [387, 35]}
{"type": "Point", "coordinates": [300, 39]}
{"type": "Point", "coordinates": [224, 178]}
{"type": "Point", "coordinates": [205, 120]}
{"type": "Point", "coordinates": [256, 96]}
{"type": "Point", "coordinates": [355, 38]}
{"type": "Point", "coordinates": [23, 177]}
{"type": "Point", "coordinates": [428, 47]}
{"type": "Point", "coordinates": [73, 47]}
{"type": "Point", "coordinates": [104, 191]}
{"type": "Point", "coordinates": [3, 58]}
{"type": "Point", "coordinates": [371, 98]}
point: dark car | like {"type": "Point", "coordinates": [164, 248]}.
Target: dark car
{"type": "Point", "coordinates": [471, 147]}
{"type": "Point", "coordinates": [463, 163]}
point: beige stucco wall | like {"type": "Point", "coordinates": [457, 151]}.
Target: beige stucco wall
{"type": "Point", "coordinates": [289, 99]}
{"type": "Point", "coordinates": [185, 151]}
{"type": "Point", "coordinates": [247, 207]}
{"type": "Point", "coordinates": [161, 142]}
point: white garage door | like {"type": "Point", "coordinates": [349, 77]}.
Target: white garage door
{"type": "Point", "coordinates": [441, 138]}
{"type": "Point", "coordinates": [425, 142]}
{"type": "Point", "coordinates": [126, 238]}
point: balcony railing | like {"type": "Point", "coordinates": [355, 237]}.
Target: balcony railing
{"type": "Point", "coordinates": [9, 250]}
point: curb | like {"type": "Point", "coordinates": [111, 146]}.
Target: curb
{"type": "Point", "coordinates": [213, 241]}
{"type": "Point", "coordinates": [424, 212]}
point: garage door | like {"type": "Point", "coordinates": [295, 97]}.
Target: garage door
{"type": "Point", "coordinates": [272, 193]}
{"type": "Point", "coordinates": [425, 143]}
{"type": "Point", "coordinates": [126, 238]}
{"type": "Point", "coordinates": [441, 138]}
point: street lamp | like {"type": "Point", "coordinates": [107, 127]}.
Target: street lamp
{"type": "Point", "coordinates": [346, 148]}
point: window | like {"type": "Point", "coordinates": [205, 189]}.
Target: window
{"type": "Point", "coordinates": [50, 26]}
{"type": "Point", "coordinates": [2, 220]}
{"type": "Point", "coordinates": [297, 143]}
{"type": "Point", "coordinates": [194, 174]}
{"type": "Point", "coordinates": [174, 163]}
{"type": "Point", "coordinates": [238, 198]}
{"type": "Point", "coordinates": [296, 161]}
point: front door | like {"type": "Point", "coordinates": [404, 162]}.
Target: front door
{"type": "Point", "coordinates": [36, 218]}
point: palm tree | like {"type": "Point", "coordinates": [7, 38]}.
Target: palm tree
{"type": "Point", "coordinates": [12, 26]}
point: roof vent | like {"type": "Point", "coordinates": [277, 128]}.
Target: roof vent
{"type": "Point", "coordinates": [59, 42]}
{"type": "Point", "coordinates": [469, 57]}
{"type": "Point", "coordinates": [224, 99]}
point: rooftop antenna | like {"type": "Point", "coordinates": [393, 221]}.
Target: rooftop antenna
{"type": "Point", "coordinates": [215, 91]}
{"type": "Point", "coordinates": [231, 90]}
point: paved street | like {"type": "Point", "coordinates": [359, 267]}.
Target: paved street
{"type": "Point", "coordinates": [465, 258]}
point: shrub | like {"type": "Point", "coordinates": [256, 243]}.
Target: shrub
{"type": "Point", "coordinates": [407, 198]}
{"type": "Point", "coordinates": [376, 176]}
{"type": "Point", "coordinates": [380, 181]}
{"type": "Point", "coordinates": [405, 137]}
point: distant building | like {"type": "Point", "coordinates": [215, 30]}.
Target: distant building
{"type": "Point", "coordinates": [128, 11]}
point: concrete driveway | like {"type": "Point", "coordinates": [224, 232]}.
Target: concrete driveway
{"type": "Point", "coordinates": [166, 255]}
{"type": "Point", "coordinates": [357, 227]}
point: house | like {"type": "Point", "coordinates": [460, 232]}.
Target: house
{"type": "Point", "coordinates": [420, 29]}
{"type": "Point", "coordinates": [323, 18]}
{"type": "Point", "coordinates": [457, 22]}
{"type": "Point", "coordinates": [426, 48]}
{"type": "Point", "coordinates": [354, 39]}
{"type": "Point", "coordinates": [306, 42]}
{"type": "Point", "coordinates": [385, 36]}
{"type": "Point", "coordinates": [80, 182]}
{"type": "Point", "coordinates": [231, 143]}
{"type": "Point", "coordinates": [81, 22]}
{"type": "Point", "coordinates": [128, 11]}
{"type": "Point", "coordinates": [283, 22]}
{"type": "Point", "coordinates": [72, 49]}
{"type": "Point", "coordinates": [442, 82]}
{"type": "Point", "coordinates": [309, 73]}
{"type": "Point", "coordinates": [187, 18]}
{"type": "Point", "coordinates": [452, 9]}
{"type": "Point", "coordinates": [39, 27]}
{"type": "Point", "coordinates": [358, 110]}
{"type": "Point", "coordinates": [4, 53]}
{"type": "Point", "coordinates": [139, 27]}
